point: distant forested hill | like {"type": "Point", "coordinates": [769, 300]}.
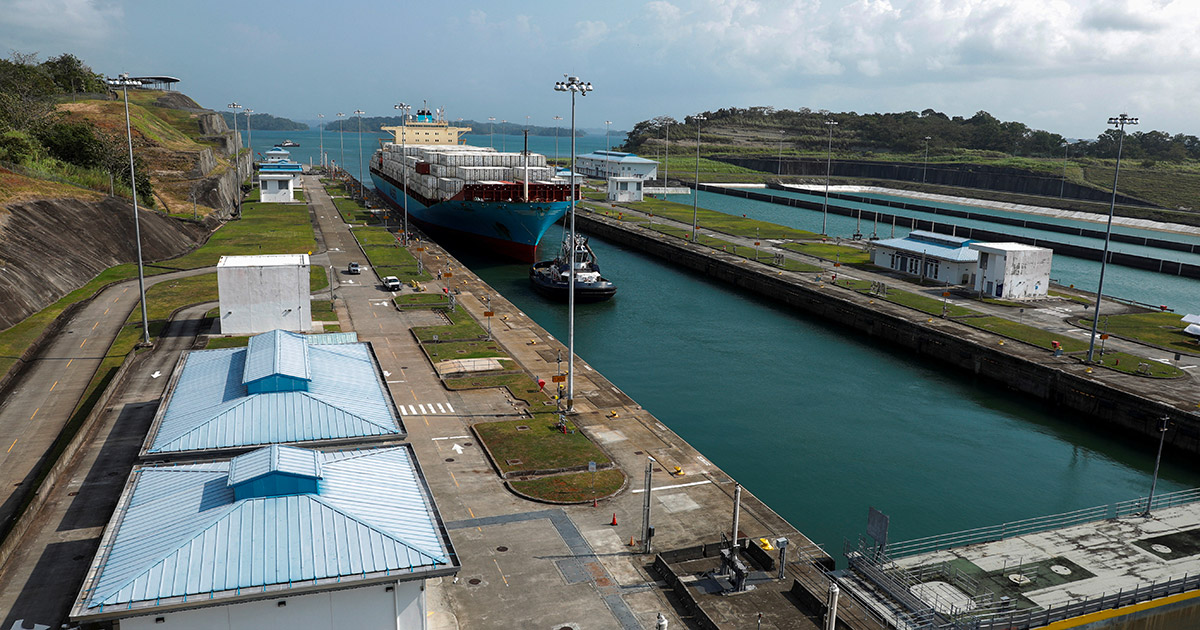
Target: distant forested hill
{"type": "Point", "coordinates": [264, 122]}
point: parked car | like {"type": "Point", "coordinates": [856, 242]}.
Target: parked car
{"type": "Point", "coordinates": [353, 268]}
{"type": "Point", "coordinates": [391, 283]}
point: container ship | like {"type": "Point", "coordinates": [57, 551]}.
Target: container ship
{"type": "Point", "coordinates": [505, 201]}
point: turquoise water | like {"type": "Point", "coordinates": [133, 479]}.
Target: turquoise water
{"type": "Point", "coordinates": [1180, 294]}
{"type": "Point", "coordinates": [344, 148]}
{"type": "Point", "coordinates": [821, 422]}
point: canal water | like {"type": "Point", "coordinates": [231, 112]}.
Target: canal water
{"type": "Point", "coordinates": [821, 422]}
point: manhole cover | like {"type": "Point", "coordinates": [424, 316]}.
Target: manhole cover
{"type": "Point", "coordinates": [460, 351]}
{"type": "Point", "coordinates": [1160, 548]}
{"type": "Point", "coordinates": [522, 427]}
{"type": "Point", "coordinates": [637, 452]}
{"type": "Point", "coordinates": [449, 459]}
{"type": "Point", "coordinates": [474, 581]}
{"type": "Point", "coordinates": [501, 549]}
{"type": "Point", "coordinates": [1018, 579]}
{"type": "Point", "coordinates": [1060, 569]}
{"type": "Point", "coordinates": [466, 443]}
{"type": "Point", "coordinates": [513, 462]}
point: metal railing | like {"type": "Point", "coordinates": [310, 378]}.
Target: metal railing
{"type": "Point", "coordinates": [1022, 527]}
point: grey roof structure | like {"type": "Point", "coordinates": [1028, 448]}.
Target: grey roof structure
{"type": "Point", "coordinates": [933, 245]}
{"type": "Point", "coordinates": [284, 388]}
{"type": "Point", "coordinates": [181, 537]}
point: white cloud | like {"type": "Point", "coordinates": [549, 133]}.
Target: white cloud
{"type": "Point", "coordinates": [29, 23]}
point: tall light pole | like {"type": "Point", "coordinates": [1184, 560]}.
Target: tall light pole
{"type": "Point", "coordinates": [321, 129]}
{"type": "Point", "coordinates": [666, 155]}
{"type": "Point", "coordinates": [237, 155]}
{"type": "Point", "coordinates": [250, 134]}
{"type": "Point", "coordinates": [404, 108]}
{"type": "Point", "coordinates": [491, 131]}
{"type": "Point", "coordinates": [926, 166]}
{"type": "Point", "coordinates": [1162, 437]}
{"type": "Point", "coordinates": [779, 167]}
{"type": "Point", "coordinates": [574, 86]}
{"type": "Point", "coordinates": [556, 118]}
{"type": "Point", "coordinates": [828, 170]}
{"type": "Point", "coordinates": [1119, 122]}
{"type": "Point", "coordinates": [359, 113]}
{"type": "Point", "coordinates": [1063, 186]}
{"type": "Point", "coordinates": [342, 141]}
{"type": "Point", "coordinates": [607, 147]}
{"type": "Point", "coordinates": [503, 137]}
{"type": "Point", "coordinates": [124, 82]}
{"type": "Point", "coordinates": [696, 193]}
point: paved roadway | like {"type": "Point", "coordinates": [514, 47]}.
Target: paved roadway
{"type": "Point", "coordinates": [39, 583]}
{"type": "Point", "coordinates": [41, 402]}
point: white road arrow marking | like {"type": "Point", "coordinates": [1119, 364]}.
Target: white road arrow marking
{"type": "Point", "coordinates": [457, 449]}
{"type": "Point", "coordinates": [156, 374]}
{"type": "Point", "coordinates": [387, 373]}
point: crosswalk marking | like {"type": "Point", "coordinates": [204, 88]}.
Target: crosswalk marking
{"type": "Point", "coordinates": [427, 409]}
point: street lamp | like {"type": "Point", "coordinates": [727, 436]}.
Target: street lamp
{"type": "Point", "coordinates": [321, 129]}
{"type": "Point", "coordinates": [1119, 122]}
{"type": "Point", "coordinates": [926, 166]}
{"type": "Point", "coordinates": [123, 81]}
{"type": "Point", "coordinates": [607, 148]}
{"type": "Point", "coordinates": [237, 156]}
{"type": "Point", "coordinates": [574, 86]}
{"type": "Point", "coordinates": [779, 167]}
{"type": "Point", "coordinates": [1162, 436]}
{"type": "Point", "coordinates": [828, 169]}
{"type": "Point", "coordinates": [666, 155]}
{"type": "Point", "coordinates": [1062, 186]}
{"type": "Point", "coordinates": [503, 138]}
{"type": "Point", "coordinates": [342, 141]}
{"type": "Point", "coordinates": [404, 109]}
{"type": "Point", "coordinates": [359, 113]}
{"type": "Point", "coordinates": [696, 193]}
{"type": "Point", "coordinates": [249, 134]}
{"type": "Point", "coordinates": [491, 131]}
{"type": "Point", "coordinates": [556, 141]}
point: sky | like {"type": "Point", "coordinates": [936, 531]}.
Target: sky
{"type": "Point", "coordinates": [1065, 66]}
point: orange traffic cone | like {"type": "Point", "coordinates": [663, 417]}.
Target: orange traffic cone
{"type": "Point", "coordinates": [614, 523]}
{"type": "Point", "coordinates": [631, 540]}
{"type": "Point", "coordinates": [594, 504]}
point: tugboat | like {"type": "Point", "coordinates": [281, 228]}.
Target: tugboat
{"type": "Point", "coordinates": [288, 143]}
{"type": "Point", "coordinates": [552, 277]}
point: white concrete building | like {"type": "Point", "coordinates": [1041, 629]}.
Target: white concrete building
{"type": "Point", "coordinates": [262, 293]}
{"type": "Point", "coordinates": [625, 188]}
{"type": "Point", "coordinates": [929, 255]}
{"type": "Point", "coordinates": [1012, 271]}
{"type": "Point", "coordinates": [605, 164]}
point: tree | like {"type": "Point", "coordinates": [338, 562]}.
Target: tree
{"type": "Point", "coordinates": [72, 75]}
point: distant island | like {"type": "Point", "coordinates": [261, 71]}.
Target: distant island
{"type": "Point", "coordinates": [373, 123]}
{"type": "Point", "coordinates": [264, 122]}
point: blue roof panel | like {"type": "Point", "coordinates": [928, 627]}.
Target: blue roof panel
{"type": "Point", "coordinates": [276, 353]}
{"type": "Point", "coordinates": [300, 462]}
{"type": "Point", "coordinates": [210, 406]}
{"type": "Point", "coordinates": [180, 533]}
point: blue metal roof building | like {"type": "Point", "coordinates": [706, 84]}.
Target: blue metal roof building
{"type": "Point", "coordinates": [272, 523]}
{"type": "Point", "coordinates": [615, 164]}
{"type": "Point", "coordinates": [945, 259]}
{"type": "Point", "coordinates": [284, 388]}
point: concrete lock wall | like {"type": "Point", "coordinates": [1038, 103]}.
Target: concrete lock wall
{"type": "Point", "coordinates": [258, 299]}
{"type": "Point", "coordinates": [375, 606]}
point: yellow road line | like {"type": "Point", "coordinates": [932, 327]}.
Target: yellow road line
{"type": "Point", "coordinates": [82, 342]}
{"type": "Point", "coordinates": [107, 310]}
{"type": "Point", "coordinates": [452, 478]}
{"type": "Point", "coordinates": [470, 512]}
{"type": "Point", "coordinates": [52, 386]}
{"type": "Point", "coordinates": [95, 325]}
{"type": "Point", "coordinates": [501, 572]}
{"type": "Point", "coordinates": [68, 363]}
{"type": "Point", "coordinates": [15, 443]}
{"type": "Point", "coordinates": [35, 412]}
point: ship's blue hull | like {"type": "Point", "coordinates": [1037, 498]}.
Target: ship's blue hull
{"type": "Point", "coordinates": [511, 228]}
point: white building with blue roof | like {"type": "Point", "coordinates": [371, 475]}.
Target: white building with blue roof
{"type": "Point", "coordinates": [283, 388]}
{"type": "Point", "coordinates": [278, 177]}
{"type": "Point", "coordinates": [280, 537]}
{"type": "Point", "coordinates": [605, 164]}
{"type": "Point", "coordinates": [938, 257]}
